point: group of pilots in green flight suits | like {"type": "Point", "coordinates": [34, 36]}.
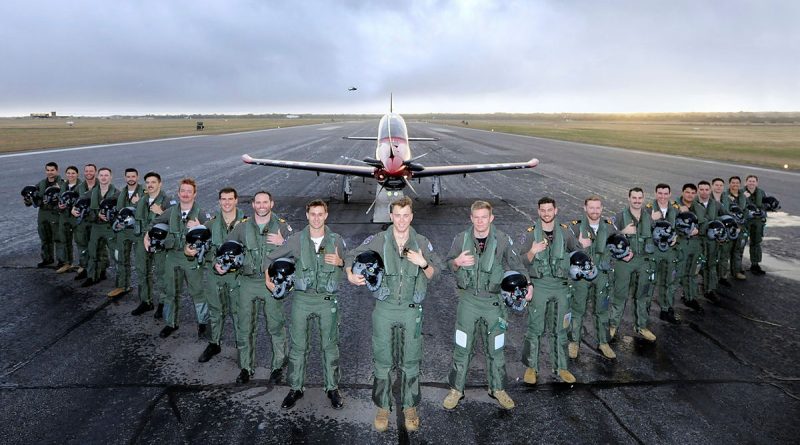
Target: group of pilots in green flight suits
{"type": "Point", "coordinates": [479, 258]}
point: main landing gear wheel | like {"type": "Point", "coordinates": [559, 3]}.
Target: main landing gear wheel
{"type": "Point", "coordinates": [436, 188]}
{"type": "Point", "coordinates": [347, 189]}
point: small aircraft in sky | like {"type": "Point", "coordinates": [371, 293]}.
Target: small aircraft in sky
{"type": "Point", "coordinates": [393, 167]}
{"type": "Point", "coordinates": [352, 89]}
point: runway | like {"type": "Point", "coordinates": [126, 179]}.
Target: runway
{"type": "Point", "coordinates": [77, 368]}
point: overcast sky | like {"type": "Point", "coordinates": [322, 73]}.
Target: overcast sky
{"type": "Point", "coordinates": [300, 56]}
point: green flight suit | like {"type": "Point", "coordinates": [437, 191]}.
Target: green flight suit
{"type": "Point", "coordinates": [397, 316]}
{"type": "Point", "coordinates": [83, 230]}
{"type": "Point", "coordinates": [691, 248]}
{"type": "Point", "coordinates": [755, 227]}
{"type": "Point", "coordinates": [254, 297]}
{"type": "Point", "coordinates": [666, 264]}
{"type": "Point", "coordinates": [735, 247]}
{"type": "Point", "coordinates": [481, 311]}
{"type": "Point", "coordinates": [149, 265]}
{"type": "Point", "coordinates": [600, 288]}
{"type": "Point", "coordinates": [101, 238]}
{"type": "Point", "coordinates": [222, 291]}
{"type": "Point", "coordinates": [126, 239]}
{"type": "Point", "coordinates": [316, 285]}
{"type": "Point", "coordinates": [47, 222]}
{"type": "Point", "coordinates": [549, 272]}
{"type": "Point", "coordinates": [178, 267]}
{"type": "Point", "coordinates": [66, 229]}
{"type": "Point", "coordinates": [711, 248]}
{"type": "Point", "coordinates": [636, 275]}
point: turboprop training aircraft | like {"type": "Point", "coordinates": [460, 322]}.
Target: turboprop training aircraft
{"type": "Point", "coordinates": [393, 167]}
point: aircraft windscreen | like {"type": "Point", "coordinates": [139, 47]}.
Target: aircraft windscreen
{"type": "Point", "coordinates": [393, 125]}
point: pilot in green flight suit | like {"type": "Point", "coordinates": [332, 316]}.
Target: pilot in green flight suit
{"type": "Point", "coordinates": [691, 248]}
{"type": "Point", "coordinates": [318, 254]}
{"type": "Point", "coordinates": [479, 257]}
{"type": "Point", "coordinates": [409, 264]}
{"type": "Point", "coordinates": [177, 265]}
{"type": "Point", "coordinates": [667, 264]}
{"type": "Point", "coordinates": [259, 235]}
{"type": "Point", "coordinates": [592, 232]}
{"type": "Point", "coordinates": [545, 251]}
{"type": "Point", "coordinates": [222, 291]}
{"type": "Point", "coordinates": [636, 224]}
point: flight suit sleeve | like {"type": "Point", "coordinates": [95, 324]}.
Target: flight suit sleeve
{"type": "Point", "coordinates": [525, 244]}
{"type": "Point", "coordinates": [341, 247]}
{"type": "Point", "coordinates": [570, 241]}
{"type": "Point", "coordinates": [512, 260]}
{"type": "Point", "coordinates": [372, 242]}
{"type": "Point", "coordinates": [291, 248]}
{"type": "Point", "coordinates": [455, 251]}
{"type": "Point", "coordinates": [161, 219]}
{"type": "Point", "coordinates": [430, 256]}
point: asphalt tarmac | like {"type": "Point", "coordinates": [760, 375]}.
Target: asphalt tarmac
{"type": "Point", "coordinates": [76, 367]}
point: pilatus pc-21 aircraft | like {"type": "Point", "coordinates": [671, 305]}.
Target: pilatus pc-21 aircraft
{"type": "Point", "coordinates": [393, 167]}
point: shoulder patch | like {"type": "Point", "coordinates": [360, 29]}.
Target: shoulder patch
{"type": "Point", "coordinates": [510, 242]}
{"type": "Point", "coordinates": [530, 229]}
{"type": "Point", "coordinates": [244, 218]}
{"type": "Point", "coordinates": [649, 205]}
{"type": "Point", "coordinates": [430, 247]}
{"type": "Point", "coordinates": [608, 221]}
{"type": "Point", "coordinates": [172, 202]}
{"type": "Point", "coordinates": [564, 226]}
{"type": "Point", "coordinates": [289, 228]}
{"type": "Point", "coordinates": [614, 219]}
{"type": "Point", "coordinates": [213, 217]}
{"type": "Point", "coordinates": [675, 205]}
{"type": "Point", "coordinates": [208, 216]}
{"type": "Point", "coordinates": [576, 221]}
{"type": "Point", "coordinates": [282, 221]}
{"type": "Point", "coordinates": [369, 238]}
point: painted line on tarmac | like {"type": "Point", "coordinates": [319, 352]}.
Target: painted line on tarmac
{"type": "Point", "coordinates": [86, 147]}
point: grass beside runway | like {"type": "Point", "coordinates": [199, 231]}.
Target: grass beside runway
{"type": "Point", "coordinates": [767, 144]}
{"type": "Point", "coordinates": [20, 134]}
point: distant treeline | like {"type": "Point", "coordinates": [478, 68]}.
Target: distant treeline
{"type": "Point", "coordinates": [722, 118]}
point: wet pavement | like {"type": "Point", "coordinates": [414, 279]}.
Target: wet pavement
{"type": "Point", "coordinates": [75, 366]}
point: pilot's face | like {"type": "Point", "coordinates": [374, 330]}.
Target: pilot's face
{"type": "Point", "coordinates": [547, 212]}
{"type": "Point", "coordinates": [688, 195]}
{"type": "Point", "coordinates": [735, 185]}
{"type": "Point", "coordinates": [153, 185]}
{"type": "Point", "coordinates": [72, 175]}
{"type": "Point", "coordinates": [104, 177]}
{"type": "Point", "coordinates": [663, 195]}
{"type": "Point", "coordinates": [481, 219]}
{"type": "Point", "coordinates": [51, 172]}
{"type": "Point", "coordinates": [718, 186]}
{"type": "Point", "coordinates": [262, 205]}
{"type": "Point", "coordinates": [636, 199]}
{"type": "Point", "coordinates": [704, 190]}
{"type": "Point", "coordinates": [316, 217]}
{"type": "Point", "coordinates": [186, 193]}
{"type": "Point", "coordinates": [594, 209]}
{"type": "Point", "coordinates": [89, 173]}
{"type": "Point", "coordinates": [401, 218]}
{"type": "Point", "coordinates": [227, 202]}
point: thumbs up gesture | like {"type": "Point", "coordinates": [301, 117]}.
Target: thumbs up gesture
{"type": "Point", "coordinates": [334, 258]}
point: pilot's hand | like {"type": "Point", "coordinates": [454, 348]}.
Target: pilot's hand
{"type": "Point", "coordinates": [269, 283]}
{"type": "Point", "coordinates": [628, 257]}
{"type": "Point", "coordinates": [529, 295]}
{"type": "Point", "coordinates": [157, 209]}
{"type": "Point", "coordinates": [219, 270]}
{"type": "Point", "coordinates": [334, 259]}
{"type": "Point", "coordinates": [656, 215]}
{"type": "Point", "coordinates": [585, 242]}
{"type": "Point", "coordinates": [189, 251]}
{"type": "Point", "coordinates": [630, 229]}
{"type": "Point", "coordinates": [357, 280]}
{"type": "Point", "coordinates": [275, 238]}
{"type": "Point", "coordinates": [416, 258]}
{"type": "Point", "coordinates": [135, 199]}
{"type": "Point", "coordinates": [192, 223]}
{"type": "Point", "coordinates": [75, 212]}
{"type": "Point", "coordinates": [539, 247]}
{"type": "Point", "coordinates": [146, 242]}
{"type": "Point", "coordinates": [464, 259]}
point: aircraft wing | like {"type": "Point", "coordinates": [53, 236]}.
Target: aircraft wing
{"type": "Point", "coordinates": [354, 170]}
{"type": "Point", "coordinates": [375, 138]}
{"type": "Point", "coordinates": [472, 168]}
